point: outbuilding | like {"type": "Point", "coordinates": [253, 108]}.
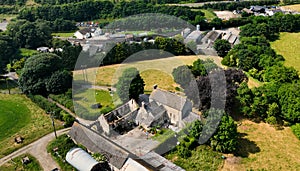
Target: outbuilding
{"type": "Point", "coordinates": [81, 160]}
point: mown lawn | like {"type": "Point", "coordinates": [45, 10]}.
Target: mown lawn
{"type": "Point", "coordinates": [158, 71]}
{"type": "Point", "coordinates": [85, 99]}
{"type": "Point", "coordinates": [16, 164]}
{"type": "Point", "coordinates": [13, 117]}
{"type": "Point", "coordinates": [263, 147]}
{"type": "Point", "coordinates": [21, 117]}
{"type": "Point", "coordinates": [288, 46]}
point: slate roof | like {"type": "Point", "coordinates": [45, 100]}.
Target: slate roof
{"type": "Point", "coordinates": [160, 163]}
{"type": "Point", "coordinates": [212, 35]}
{"type": "Point", "coordinates": [116, 154]}
{"type": "Point", "coordinates": [169, 99]}
{"type": "Point", "coordinates": [191, 117]}
{"type": "Point", "coordinates": [99, 144]}
{"type": "Point", "coordinates": [150, 113]}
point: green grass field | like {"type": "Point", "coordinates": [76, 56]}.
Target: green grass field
{"type": "Point", "coordinates": [208, 14]}
{"type": "Point", "coordinates": [13, 117]}
{"type": "Point", "coordinates": [21, 117]}
{"type": "Point", "coordinates": [288, 46]}
{"type": "Point", "coordinates": [89, 97]}
{"type": "Point", "coordinates": [16, 164]}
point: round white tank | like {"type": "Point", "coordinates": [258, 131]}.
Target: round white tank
{"type": "Point", "coordinates": [80, 159]}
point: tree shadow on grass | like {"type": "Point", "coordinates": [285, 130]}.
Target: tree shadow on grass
{"type": "Point", "coordinates": [245, 147]}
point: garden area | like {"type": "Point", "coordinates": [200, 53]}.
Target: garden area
{"type": "Point", "coordinates": [19, 117]}
{"type": "Point", "coordinates": [91, 103]}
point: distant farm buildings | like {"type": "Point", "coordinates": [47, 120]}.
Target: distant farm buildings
{"type": "Point", "coordinates": [205, 40]}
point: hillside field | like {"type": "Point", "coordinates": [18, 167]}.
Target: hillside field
{"type": "Point", "coordinates": [21, 117]}
{"type": "Point", "coordinates": [295, 7]}
{"type": "Point", "coordinates": [158, 71]}
{"type": "Point", "coordinates": [288, 46]}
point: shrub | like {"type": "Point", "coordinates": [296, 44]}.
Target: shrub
{"type": "Point", "coordinates": [271, 120]}
{"type": "Point", "coordinates": [296, 130]}
{"type": "Point", "coordinates": [183, 152]}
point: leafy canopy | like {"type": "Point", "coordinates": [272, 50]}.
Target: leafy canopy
{"type": "Point", "coordinates": [130, 85]}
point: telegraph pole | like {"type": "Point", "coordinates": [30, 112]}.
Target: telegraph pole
{"type": "Point", "coordinates": [52, 118]}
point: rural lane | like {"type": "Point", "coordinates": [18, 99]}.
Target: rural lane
{"type": "Point", "coordinates": [38, 150]}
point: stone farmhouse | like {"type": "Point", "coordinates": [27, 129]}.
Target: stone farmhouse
{"type": "Point", "coordinates": [161, 108]}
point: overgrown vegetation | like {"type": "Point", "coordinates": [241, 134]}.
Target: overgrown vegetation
{"type": "Point", "coordinates": [59, 148]}
{"type": "Point", "coordinates": [52, 109]}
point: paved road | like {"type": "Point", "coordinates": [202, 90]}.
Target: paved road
{"type": "Point", "coordinates": [38, 150]}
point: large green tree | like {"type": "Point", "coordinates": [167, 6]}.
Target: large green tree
{"type": "Point", "coordinates": [41, 75]}
{"type": "Point", "coordinates": [130, 85]}
{"type": "Point", "coordinates": [222, 47]}
{"type": "Point", "coordinates": [289, 100]}
{"type": "Point", "coordinates": [30, 34]}
{"type": "Point", "coordinates": [182, 75]}
{"type": "Point", "coordinates": [225, 137]}
{"type": "Point", "coordinates": [8, 51]}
